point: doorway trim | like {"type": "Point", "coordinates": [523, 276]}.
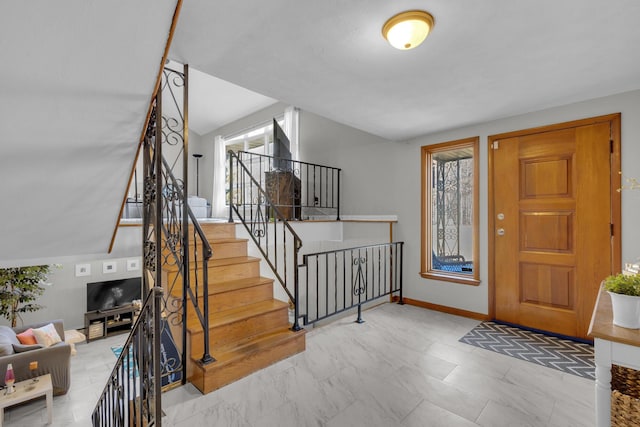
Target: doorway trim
{"type": "Point", "coordinates": [616, 183]}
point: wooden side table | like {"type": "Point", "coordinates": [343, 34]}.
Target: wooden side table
{"type": "Point", "coordinates": [28, 390]}
{"type": "Point", "coordinates": [613, 345]}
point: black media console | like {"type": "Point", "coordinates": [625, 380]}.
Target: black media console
{"type": "Point", "coordinates": [102, 323]}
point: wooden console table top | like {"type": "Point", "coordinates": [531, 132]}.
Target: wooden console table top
{"type": "Point", "coordinates": [602, 323]}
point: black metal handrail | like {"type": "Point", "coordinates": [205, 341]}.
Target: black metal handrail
{"type": "Point", "coordinates": [342, 279]}
{"type": "Point", "coordinates": [268, 227]}
{"type": "Point", "coordinates": [132, 395]}
{"type": "Point", "coordinates": [195, 282]}
{"type": "Point", "coordinates": [319, 184]}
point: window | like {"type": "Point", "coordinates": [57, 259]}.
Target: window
{"type": "Point", "coordinates": [450, 211]}
{"type": "Point", "coordinates": [258, 140]}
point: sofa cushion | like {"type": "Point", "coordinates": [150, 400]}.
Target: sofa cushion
{"type": "Point", "coordinates": [47, 335]}
{"type": "Point", "coordinates": [7, 339]}
{"type": "Point", "coordinates": [27, 337]}
{"type": "Point", "coordinates": [21, 348]}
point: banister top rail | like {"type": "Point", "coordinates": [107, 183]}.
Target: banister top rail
{"type": "Point", "coordinates": [289, 160]}
{"type": "Point", "coordinates": [351, 248]}
{"type": "Point", "coordinates": [278, 217]}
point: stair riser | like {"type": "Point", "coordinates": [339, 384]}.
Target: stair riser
{"type": "Point", "coordinates": [223, 250]}
{"type": "Point", "coordinates": [240, 331]}
{"type": "Point", "coordinates": [218, 274]}
{"type": "Point", "coordinates": [226, 273]}
{"type": "Point", "coordinates": [240, 297]}
{"type": "Point", "coordinates": [220, 250]}
{"type": "Point", "coordinates": [215, 231]}
{"type": "Point", "coordinates": [236, 298]}
{"type": "Point", "coordinates": [216, 377]}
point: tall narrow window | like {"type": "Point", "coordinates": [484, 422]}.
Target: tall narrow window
{"type": "Point", "coordinates": [450, 211]}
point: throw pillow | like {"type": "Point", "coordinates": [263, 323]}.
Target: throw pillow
{"type": "Point", "coordinates": [21, 348]}
{"type": "Point", "coordinates": [47, 335]}
{"type": "Point", "coordinates": [27, 337]}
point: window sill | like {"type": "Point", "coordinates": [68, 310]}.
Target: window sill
{"type": "Point", "coordinates": [455, 278]}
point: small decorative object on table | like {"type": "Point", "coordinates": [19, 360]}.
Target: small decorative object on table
{"type": "Point", "coordinates": [9, 379]}
{"type": "Point", "coordinates": [33, 367]}
{"type": "Point", "coordinates": [624, 289]}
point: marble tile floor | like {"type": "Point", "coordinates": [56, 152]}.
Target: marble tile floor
{"type": "Point", "coordinates": [403, 367]}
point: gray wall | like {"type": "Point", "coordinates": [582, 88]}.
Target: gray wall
{"type": "Point", "coordinates": [65, 296]}
{"type": "Point", "coordinates": [381, 177]}
{"type": "Point", "coordinates": [408, 208]}
{"type": "Point", "coordinates": [204, 144]}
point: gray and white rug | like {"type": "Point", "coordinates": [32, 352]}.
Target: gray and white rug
{"type": "Point", "coordinates": [563, 355]}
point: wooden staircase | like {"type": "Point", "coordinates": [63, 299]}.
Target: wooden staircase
{"type": "Point", "coordinates": [248, 328]}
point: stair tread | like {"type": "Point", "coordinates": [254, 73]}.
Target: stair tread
{"type": "Point", "coordinates": [233, 285]}
{"type": "Point", "coordinates": [233, 260]}
{"type": "Point", "coordinates": [236, 314]}
{"type": "Point", "coordinates": [258, 343]}
{"type": "Point", "coordinates": [216, 262]}
{"type": "Point", "coordinates": [228, 240]}
{"type": "Point", "coordinates": [221, 240]}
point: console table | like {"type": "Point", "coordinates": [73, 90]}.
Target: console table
{"type": "Point", "coordinates": [28, 390]}
{"type": "Point", "coordinates": [101, 323]}
{"type": "Point", "coordinates": [613, 345]}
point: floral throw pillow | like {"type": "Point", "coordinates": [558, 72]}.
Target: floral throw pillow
{"type": "Point", "coordinates": [47, 335]}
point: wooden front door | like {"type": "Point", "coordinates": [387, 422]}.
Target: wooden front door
{"type": "Point", "coordinates": [554, 211]}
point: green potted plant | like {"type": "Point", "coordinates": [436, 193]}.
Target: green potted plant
{"type": "Point", "coordinates": [19, 287]}
{"type": "Point", "coordinates": [624, 289]}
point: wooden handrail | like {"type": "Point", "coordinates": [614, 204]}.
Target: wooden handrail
{"type": "Point", "coordinates": [165, 55]}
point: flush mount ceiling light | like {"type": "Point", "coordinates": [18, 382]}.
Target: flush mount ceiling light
{"type": "Point", "coordinates": [407, 30]}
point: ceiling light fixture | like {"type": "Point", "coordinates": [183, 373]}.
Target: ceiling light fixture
{"type": "Point", "coordinates": [408, 29]}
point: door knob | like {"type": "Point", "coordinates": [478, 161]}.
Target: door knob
{"type": "Point", "coordinates": [500, 231]}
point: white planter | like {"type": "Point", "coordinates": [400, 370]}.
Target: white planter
{"type": "Point", "coordinates": [626, 310]}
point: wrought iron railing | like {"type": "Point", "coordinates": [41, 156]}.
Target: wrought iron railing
{"type": "Point", "coordinates": [132, 394]}
{"type": "Point", "coordinates": [190, 261]}
{"type": "Point", "coordinates": [339, 280]}
{"type": "Point", "coordinates": [175, 270]}
{"type": "Point", "coordinates": [267, 226]}
{"type": "Point", "coordinates": [309, 189]}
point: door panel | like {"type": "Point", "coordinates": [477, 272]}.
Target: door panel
{"type": "Point", "coordinates": [553, 240]}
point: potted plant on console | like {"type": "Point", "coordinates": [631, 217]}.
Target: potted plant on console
{"type": "Point", "coordinates": [624, 289]}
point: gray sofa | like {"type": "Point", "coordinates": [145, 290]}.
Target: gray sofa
{"type": "Point", "coordinates": [54, 360]}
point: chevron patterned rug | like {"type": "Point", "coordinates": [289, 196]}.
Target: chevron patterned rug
{"type": "Point", "coordinates": [553, 352]}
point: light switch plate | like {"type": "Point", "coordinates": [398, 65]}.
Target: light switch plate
{"type": "Point", "coordinates": [109, 267]}
{"type": "Point", "coordinates": [83, 270]}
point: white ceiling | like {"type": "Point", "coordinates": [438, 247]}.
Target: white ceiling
{"type": "Point", "coordinates": [484, 59]}
{"type": "Point", "coordinates": [214, 102]}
